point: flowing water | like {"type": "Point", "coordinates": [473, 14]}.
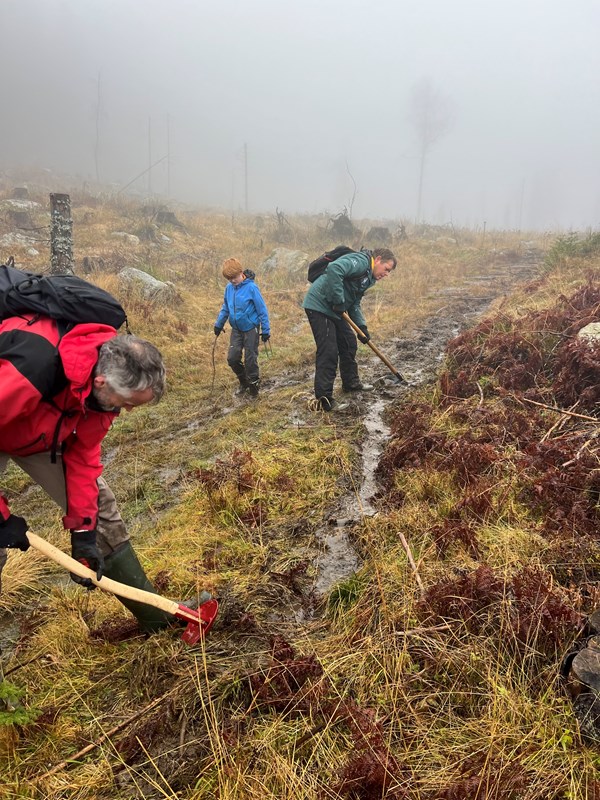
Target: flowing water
{"type": "Point", "coordinates": [417, 357]}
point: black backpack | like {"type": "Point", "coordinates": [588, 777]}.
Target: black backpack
{"type": "Point", "coordinates": [318, 267]}
{"type": "Point", "coordinates": [61, 297]}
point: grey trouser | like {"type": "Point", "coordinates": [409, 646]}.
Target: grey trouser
{"type": "Point", "coordinates": [111, 528]}
{"type": "Point", "coordinates": [248, 342]}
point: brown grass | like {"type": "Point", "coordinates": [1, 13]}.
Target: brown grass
{"type": "Point", "coordinates": [386, 691]}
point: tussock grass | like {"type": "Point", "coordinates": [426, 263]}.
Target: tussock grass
{"type": "Point", "coordinates": [227, 495]}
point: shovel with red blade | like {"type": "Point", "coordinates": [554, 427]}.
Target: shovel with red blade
{"type": "Point", "coordinates": [399, 378]}
{"type": "Point", "coordinates": [199, 621]}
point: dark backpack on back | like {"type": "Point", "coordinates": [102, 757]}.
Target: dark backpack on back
{"type": "Point", "coordinates": [61, 297]}
{"type": "Point", "coordinates": [318, 267]}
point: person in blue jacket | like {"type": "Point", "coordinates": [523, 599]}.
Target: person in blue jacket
{"type": "Point", "coordinates": [244, 307]}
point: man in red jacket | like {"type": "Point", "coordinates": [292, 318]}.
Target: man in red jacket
{"type": "Point", "coordinates": [58, 397]}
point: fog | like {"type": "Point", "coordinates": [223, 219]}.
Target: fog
{"type": "Point", "coordinates": [312, 106]}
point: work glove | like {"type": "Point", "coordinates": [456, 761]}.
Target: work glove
{"type": "Point", "coordinates": [265, 337]}
{"type": "Point", "coordinates": [85, 549]}
{"type": "Point", "coordinates": [217, 330]}
{"type": "Point", "coordinates": [339, 309]}
{"type": "Point", "coordinates": [12, 532]}
{"type": "Point", "coordinates": [365, 334]}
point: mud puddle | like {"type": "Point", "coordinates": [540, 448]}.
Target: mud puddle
{"type": "Point", "coordinates": [418, 358]}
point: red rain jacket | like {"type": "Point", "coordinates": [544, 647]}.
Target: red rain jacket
{"type": "Point", "coordinates": [45, 381]}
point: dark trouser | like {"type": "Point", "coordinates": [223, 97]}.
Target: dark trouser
{"type": "Point", "coordinates": [336, 343]}
{"type": "Point", "coordinates": [246, 341]}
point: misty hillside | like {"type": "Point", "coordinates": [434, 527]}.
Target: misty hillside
{"type": "Point", "coordinates": [398, 584]}
{"type": "Point", "coordinates": [437, 112]}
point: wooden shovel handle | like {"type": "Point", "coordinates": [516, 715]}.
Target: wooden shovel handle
{"type": "Point", "coordinates": [377, 352]}
{"type": "Point", "coordinates": [114, 587]}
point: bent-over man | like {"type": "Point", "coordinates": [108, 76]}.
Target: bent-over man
{"type": "Point", "coordinates": [59, 395]}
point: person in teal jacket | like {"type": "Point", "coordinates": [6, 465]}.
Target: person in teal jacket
{"type": "Point", "coordinates": [339, 289]}
{"type": "Point", "coordinates": [244, 307]}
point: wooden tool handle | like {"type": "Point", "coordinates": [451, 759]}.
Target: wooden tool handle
{"type": "Point", "coordinates": [120, 589]}
{"type": "Point", "coordinates": [351, 322]}
{"type": "Point", "coordinates": [377, 352]}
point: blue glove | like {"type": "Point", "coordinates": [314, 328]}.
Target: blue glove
{"type": "Point", "coordinates": [217, 330]}
{"type": "Point", "coordinates": [265, 337]}
{"type": "Point", "coordinates": [12, 532]}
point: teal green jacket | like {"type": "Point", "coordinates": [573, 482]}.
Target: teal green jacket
{"type": "Point", "coordinates": [342, 284]}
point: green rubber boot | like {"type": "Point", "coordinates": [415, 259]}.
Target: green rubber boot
{"type": "Point", "coordinates": [123, 566]}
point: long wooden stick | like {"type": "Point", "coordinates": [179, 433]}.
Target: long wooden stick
{"type": "Point", "coordinates": [411, 560]}
{"type": "Point", "coordinates": [114, 587]}
{"type": "Point", "coordinates": [377, 352]}
{"type": "Point", "coordinates": [559, 410]}
{"type": "Point", "coordinates": [88, 748]}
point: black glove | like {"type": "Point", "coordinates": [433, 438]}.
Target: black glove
{"type": "Point", "coordinates": [217, 330]}
{"type": "Point", "coordinates": [265, 337]}
{"type": "Point", "coordinates": [339, 309]}
{"type": "Point", "coordinates": [365, 334]}
{"type": "Point", "coordinates": [85, 549]}
{"type": "Point", "coordinates": [12, 532]}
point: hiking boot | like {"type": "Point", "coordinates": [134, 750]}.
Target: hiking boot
{"type": "Point", "coordinates": [253, 389]}
{"type": "Point", "coordinates": [326, 404]}
{"type": "Point", "coordinates": [359, 387]}
{"type": "Point", "coordinates": [243, 387]}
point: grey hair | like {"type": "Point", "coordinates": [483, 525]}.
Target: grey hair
{"type": "Point", "coordinates": [130, 364]}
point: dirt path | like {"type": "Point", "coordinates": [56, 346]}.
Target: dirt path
{"type": "Point", "coordinates": [418, 357]}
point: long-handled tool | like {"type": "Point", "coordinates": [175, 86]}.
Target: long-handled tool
{"type": "Point", "coordinates": [199, 621]}
{"type": "Point", "coordinates": [214, 367]}
{"type": "Point", "coordinates": [400, 378]}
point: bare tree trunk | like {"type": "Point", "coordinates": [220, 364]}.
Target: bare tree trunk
{"type": "Point", "coordinates": [420, 196]}
{"type": "Point", "coordinates": [245, 177]}
{"type": "Point", "coordinates": [97, 141]}
{"type": "Point", "coordinates": [61, 235]}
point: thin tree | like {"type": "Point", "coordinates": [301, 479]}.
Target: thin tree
{"type": "Point", "coordinates": [353, 193]}
{"type": "Point", "coordinates": [431, 117]}
{"type": "Point", "coordinates": [97, 140]}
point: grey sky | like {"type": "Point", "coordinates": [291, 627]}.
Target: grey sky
{"type": "Point", "coordinates": [314, 88]}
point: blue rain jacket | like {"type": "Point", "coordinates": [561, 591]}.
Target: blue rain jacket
{"type": "Point", "coordinates": [244, 307]}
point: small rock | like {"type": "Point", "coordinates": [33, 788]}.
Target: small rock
{"type": "Point", "coordinates": [130, 238]}
{"type": "Point", "coordinates": [590, 332]}
{"type": "Point", "coordinates": [281, 258]}
{"type": "Point", "coordinates": [150, 288]}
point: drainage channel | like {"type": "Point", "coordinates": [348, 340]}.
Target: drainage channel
{"type": "Point", "coordinates": [338, 559]}
{"type": "Point", "coordinates": [418, 358]}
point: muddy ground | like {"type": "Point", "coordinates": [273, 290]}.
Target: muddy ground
{"type": "Point", "coordinates": [417, 357]}
{"type": "Point", "coordinates": [325, 545]}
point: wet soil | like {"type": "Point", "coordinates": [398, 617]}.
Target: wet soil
{"type": "Point", "coordinates": [417, 357]}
